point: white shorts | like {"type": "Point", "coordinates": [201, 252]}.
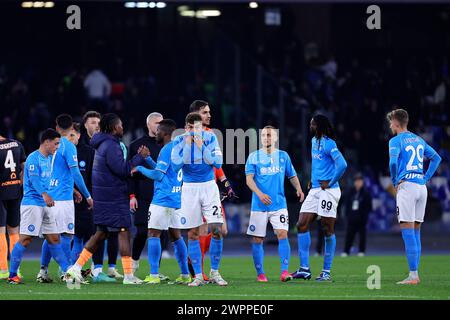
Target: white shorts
{"type": "Point", "coordinates": [64, 212]}
{"type": "Point", "coordinates": [411, 202]}
{"type": "Point", "coordinates": [322, 202]}
{"type": "Point", "coordinates": [199, 200]}
{"type": "Point", "coordinates": [162, 218]}
{"type": "Point", "coordinates": [258, 222]}
{"type": "Point", "coordinates": [36, 221]}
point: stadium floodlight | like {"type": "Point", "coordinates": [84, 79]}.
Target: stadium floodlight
{"type": "Point", "coordinates": [27, 4]}
{"type": "Point", "coordinates": [152, 5]}
{"type": "Point", "coordinates": [130, 4]}
{"type": "Point", "coordinates": [49, 4]}
{"type": "Point", "coordinates": [187, 13]}
{"type": "Point", "coordinates": [38, 4]}
{"type": "Point", "coordinates": [253, 5]}
{"type": "Point", "coordinates": [182, 8]}
{"type": "Point", "coordinates": [142, 5]}
{"type": "Point", "coordinates": [210, 13]}
{"type": "Point", "coordinates": [200, 15]}
{"type": "Point", "coordinates": [161, 5]}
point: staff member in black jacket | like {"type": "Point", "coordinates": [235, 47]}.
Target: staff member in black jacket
{"type": "Point", "coordinates": [141, 188]}
{"type": "Point", "coordinates": [358, 204]}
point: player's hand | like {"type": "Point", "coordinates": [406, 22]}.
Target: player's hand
{"type": "Point", "coordinates": [48, 200]}
{"type": "Point", "coordinates": [90, 203]}
{"type": "Point", "coordinates": [77, 196]}
{"type": "Point", "coordinates": [188, 139]}
{"type": "Point", "coordinates": [144, 151]}
{"type": "Point", "coordinates": [198, 141]}
{"type": "Point", "coordinates": [265, 199]}
{"type": "Point", "coordinates": [134, 170]}
{"type": "Point", "coordinates": [324, 184]}
{"type": "Point", "coordinates": [133, 204]}
{"type": "Point", "coordinates": [301, 195]}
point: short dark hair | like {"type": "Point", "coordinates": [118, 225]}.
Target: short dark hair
{"type": "Point", "coordinates": [108, 121]}
{"type": "Point", "coordinates": [64, 121]}
{"type": "Point", "coordinates": [401, 115]}
{"type": "Point", "coordinates": [77, 127]}
{"type": "Point", "coordinates": [269, 127]}
{"type": "Point", "coordinates": [49, 134]}
{"type": "Point", "coordinates": [197, 105]}
{"type": "Point", "coordinates": [168, 126]}
{"type": "Point", "coordinates": [91, 114]}
{"type": "Point", "coordinates": [193, 117]}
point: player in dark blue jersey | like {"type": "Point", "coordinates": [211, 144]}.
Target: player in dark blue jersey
{"type": "Point", "coordinates": [407, 152]}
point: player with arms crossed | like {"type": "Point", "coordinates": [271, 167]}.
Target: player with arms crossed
{"type": "Point", "coordinates": [406, 155]}
{"type": "Point", "coordinates": [12, 159]}
{"type": "Point", "coordinates": [35, 217]}
{"type": "Point", "coordinates": [166, 200]}
{"type": "Point", "coordinates": [65, 173]}
{"type": "Point", "coordinates": [198, 151]}
{"type": "Point", "coordinates": [265, 172]}
{"type": "Point", "coordinates": [327, 167]}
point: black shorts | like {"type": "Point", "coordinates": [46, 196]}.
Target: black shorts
{"type": "Point", "coordinates": [10, 213]}
{"type": "Point", "coordinates": [107, 229]}
{"type": "Point", "coordinates": [84, 224]}
{"type": "Point", "coordinates": [141, 214]}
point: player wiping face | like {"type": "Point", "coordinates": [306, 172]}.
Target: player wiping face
{"type": "Point", "coordinates": [199, 153]}
{"type": "Point", "coordinates": [406, 164]}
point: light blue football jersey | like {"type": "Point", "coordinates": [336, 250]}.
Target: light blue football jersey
{"type": "Point", "coordinates": [167, 192]}
{"type": "Point", "coordinates": [195, 169]}
{"type": "Point", "coordinates": [62, 182]}
{"type": "Point", "coordinates": [323, 153]}
{"type": "Point", "coordinates": [36, 166]}
{"type": "Point", "coordinates": [269, 172]}
{"type": "Point", "coordinates": [410, 150]}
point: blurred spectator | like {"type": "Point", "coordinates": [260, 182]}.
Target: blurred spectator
{"type": "Point", "coordinates": [98, 89]}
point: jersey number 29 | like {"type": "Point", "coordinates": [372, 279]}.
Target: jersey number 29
{"type": "Point", "coordinates": [415, 153]}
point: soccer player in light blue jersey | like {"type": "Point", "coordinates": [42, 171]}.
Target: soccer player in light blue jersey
{"type": "Point", "coordinates": [65, 172]}
{"type": "Point", "coordinates": [265, 172]}
{"type": "Point", "coordinates": [406, 163]}
{"type": "Point", "coordinates": [199, 152]}
{"type": "Point", "coordinates": [35, 217]}
{"type": "Point", "coordinates": [166, 200]}
{"type": "Point", "coordinates": [327, 167]}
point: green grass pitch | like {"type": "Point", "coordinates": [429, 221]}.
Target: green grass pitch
{"type": "Point", "coordinates": [349, 282]}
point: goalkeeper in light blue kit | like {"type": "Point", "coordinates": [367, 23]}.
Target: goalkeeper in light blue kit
{"type": "Point", "coordinates": [327, 167]}
{"type": "Point", "coordinates": [406, 155]}
{"type": "Point", "coordinates": [265, 172]}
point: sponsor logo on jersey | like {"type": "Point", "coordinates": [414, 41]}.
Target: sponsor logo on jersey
{"type": "Point", "coordinates": [271, 170]}
{"type": "Point", "coordinates": [75, 158]}
{"type": "Point", "coordinates": [414, 175]}
{"type": "Point", "coordinates": [176, 189]}
{"type": "Point", "coordinates": [31, 167]}
{"type": "Point", "coordinates": [317, 156]}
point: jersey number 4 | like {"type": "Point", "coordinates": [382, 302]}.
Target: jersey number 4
{"type": "Point", "coordinates": [9, 161]}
